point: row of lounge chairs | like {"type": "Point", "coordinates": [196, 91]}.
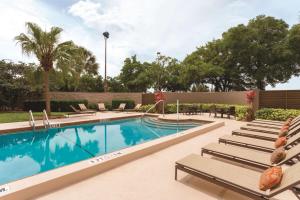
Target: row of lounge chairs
{"type": "Point", "coordinates": [252, 145]}
{"type": "Point", "coordinates": [101, 107]}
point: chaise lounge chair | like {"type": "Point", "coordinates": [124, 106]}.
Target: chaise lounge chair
{"type": "Point", "coordinates": [236, 178]}
{"type": "Point", "coordinates": [76, 111]}
{"type": "Point", "coordinates": [274, 126]}
{"type": "Point", "coordinates": [264, 136]}
{"type": "Point", "coordinates": [273, 122]}
{"type": "Point", "coordinates": [268, 129]}
{"type": "Point", "coordinates": [257, 144]}
{"type": "Point", "coordinates": [121, 107]}
{"type": "Point", "coordinates": [84, 108]}
{"type": "Point", "coordinates": [136, 108]}
{"type": "Point", "coordinates": [101, 107]}
{"type": "Point", "coordinates": [248, 156]}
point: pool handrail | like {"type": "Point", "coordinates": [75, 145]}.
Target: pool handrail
{"type": "Point", "coordinates": [155, 106]}
{"type": "Point", "coordinates": [31, 120]}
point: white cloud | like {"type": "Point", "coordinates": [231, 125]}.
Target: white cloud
{"type": "Point", "coordinates": [142, 27]}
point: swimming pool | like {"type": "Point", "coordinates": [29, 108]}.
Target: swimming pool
{"type": "Point", "coordinates": [28, 153]}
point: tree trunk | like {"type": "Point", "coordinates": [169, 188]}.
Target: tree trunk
{"type": "Point", "coordinates": [46, 92]}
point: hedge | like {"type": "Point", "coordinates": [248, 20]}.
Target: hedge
{"type": "Point", "coordinates": [276, 114]}
{"type": "Point", "coordinates": [56, 105]}
{"type": "Point", "coordinates": [115, 103]}
{"type": "Point", "coordinates": [241, 110]}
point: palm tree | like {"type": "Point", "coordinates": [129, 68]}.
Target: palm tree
{"type": "Point", "coordinates": [47, 49]}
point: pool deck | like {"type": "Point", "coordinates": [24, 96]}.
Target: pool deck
{"type": "Point", "coordinates": [152, 177]}
{"type": "Point", "coordinates": [72, 120]}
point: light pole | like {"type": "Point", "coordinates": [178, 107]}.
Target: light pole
{"type": "Point", "coordinates": [106, 36]}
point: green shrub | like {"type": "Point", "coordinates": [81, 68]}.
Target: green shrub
{"type": "Point", "coordinates": [276, 114]}
{"type": "Point", "coordinates": [56, 105]}
{"type": "Point", "coordinates": [144, 108]}
{"type": "Point", "coordinates": [241, 110]}
{"type": "Point", "coordinates": [116, 103]}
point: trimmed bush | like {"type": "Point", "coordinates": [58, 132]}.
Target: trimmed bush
{"type": "Point", "coordinates": [241, 110]}
{"type": "Point", "coordinates": [56, 105]}
{"type": "Point", "coordinates": [116, 103]}
{"type": "Point", "coordinates": [144, 108]}
{"type": "Point", "coordinates": [276, 114]}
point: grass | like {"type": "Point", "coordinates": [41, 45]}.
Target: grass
{"type": "Point", "coordinates": [6, 117]}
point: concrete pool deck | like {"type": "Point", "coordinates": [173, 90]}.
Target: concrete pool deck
{"type": "Point", "coordinates": [73, 119]}
{"type": "Point", "coordinates": [152, 177]}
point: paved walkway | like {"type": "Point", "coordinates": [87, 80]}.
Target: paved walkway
{"type": "Point", "coordinates": [152, 177]}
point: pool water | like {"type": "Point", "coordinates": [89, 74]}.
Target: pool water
{"type": "Point", "coordinates": [28, 153]}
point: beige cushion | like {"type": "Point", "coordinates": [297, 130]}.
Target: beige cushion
{"type": "Point", "coordinates": [278, 155]}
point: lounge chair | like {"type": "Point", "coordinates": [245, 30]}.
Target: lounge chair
{"type": "Point", "coordinates": [76, 111]}
{"type": "Point", "coordinates": [275, 127]}
{"type": "Point", "coordinates": [273, 122]}
{"type": "Point", "coordinates": [264, 136]}
{"type": "Point", "coordinates": [261, 129]}
{"type": "Point", "coordinates": [84, 108]}
{"type": "Point", "coordinates": [136, 108]}
{"type": "Point", "coordinates": [257, 144]}
{"type": "Point", "coordinates": [248, 156]}
{"type": "Point", "coordinates": [241, 180]}
{"type": "Point", "coordinates": [121, 107]}
{"type": "Point", "coordinates": [101, 107]}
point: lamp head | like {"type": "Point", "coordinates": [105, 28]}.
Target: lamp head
{"type": "Point", "coordinates": [106, 34]}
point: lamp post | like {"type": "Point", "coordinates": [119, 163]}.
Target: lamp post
{"type": "Point", "coordinates": [106, 36]}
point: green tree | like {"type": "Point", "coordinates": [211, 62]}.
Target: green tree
{"type": "Point", "coordinates": [47, 49]}
{"type": "Point", "coordinates": [14, 85]}
{"type": "Point", "coordinates": [133, 75]}
{"type": "Point", "coordinates": [82, 63]}
{"type": "Point", "coordinates": [200, 68]}
{"type": "Point", "coordinates": [157, 72]}
{"type": "Point", "coordinates": [115, 85]}
{"type": "Point", "coordinates": [261, 51]}
{"type": "Point", "coordinates": [293, 41]}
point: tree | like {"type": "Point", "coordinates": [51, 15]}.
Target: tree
{"type": "Point", "coordinates": [157, 72]}
{"type": "Point", "coordinates": [82, 63]}
{"type": "Point", "coordinates": [47, 49]}
{"type": "Point", "coordinates": [115, 85]}
{"type": "Point", "coordinates": [14, 85]}
{"type": "Point", "coordinates": [293, 42]}
{"type": "Point", "coordinates": [261, 51]}
{"type": "Point", "coordinates": [133, 75]}
{"type": "Point", "coordinates": [201, 68]}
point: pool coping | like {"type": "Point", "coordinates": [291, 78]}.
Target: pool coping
{"type": "Point", "coordinates": [55, 179]}
{"type": "Point", "coordinates": [77, 121]}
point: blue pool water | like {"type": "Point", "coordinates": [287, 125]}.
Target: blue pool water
{"type": "Point", "coordinates": [29, 153]}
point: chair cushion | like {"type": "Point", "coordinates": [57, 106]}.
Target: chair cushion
{"type": "Point", "coordinates": [277, 155]}
{"type": "Point", "coordinates": [284, 128]}
{"type": "Point", "coordinates": [283, 133]}
{"type": "Point", "coordinates": [270, 178]}
{"type": "Point", "coordinates": [281, 141]}
{"type": "Point", "coordinates": [287, 123]}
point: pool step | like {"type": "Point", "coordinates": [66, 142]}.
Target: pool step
{"type": "Point", "coordinates": [155, 123]}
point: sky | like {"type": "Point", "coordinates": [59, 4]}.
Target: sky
{"type": "Point", "coordinates": [142, 27]}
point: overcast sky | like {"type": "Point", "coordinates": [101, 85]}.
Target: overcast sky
{"type": "Point", "coordinates": [143, 27]}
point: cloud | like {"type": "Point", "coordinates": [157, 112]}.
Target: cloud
{"type": "Point", "coordinates": [142, 27]}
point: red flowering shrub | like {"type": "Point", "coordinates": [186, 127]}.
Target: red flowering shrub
{"type": "Point", "coordinates": [159, 96]}
{"type": "Point", "coordinates": [250, 95]}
